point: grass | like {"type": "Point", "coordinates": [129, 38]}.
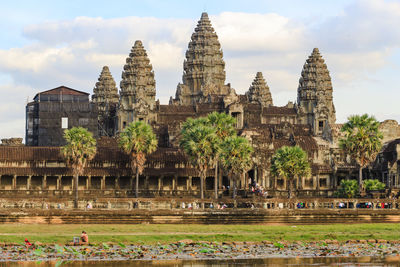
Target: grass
{"type": "Point", "coordinates": [166, 233]}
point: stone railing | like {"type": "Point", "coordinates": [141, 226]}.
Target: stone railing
{"type": "Point", "coordinates": [90, 200]}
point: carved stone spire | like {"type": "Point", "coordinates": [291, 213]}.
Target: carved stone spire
{"type": "Point", "coordinates": [105, 90]}
{"type": "Point", "coordinates": [105, 96]}
{"type": "Point", "coordinates": [259, 91]}
{"type": "Point", "coordinates": [138, 88]}
{"type": "Point", "coordinates": [314, 94]}
{"type": "Point", "coordinates": [203, 68]}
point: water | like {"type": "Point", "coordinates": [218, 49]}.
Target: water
{"type": "Point", "coordinates": [320, 261]}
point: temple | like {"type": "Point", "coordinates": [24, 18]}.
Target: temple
{"type": "Point", "coordinates": [310, 122]}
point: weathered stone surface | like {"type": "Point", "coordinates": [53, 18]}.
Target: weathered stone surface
{"type": "Point", "coordinates": [314, 95]}
{"type": "Point", "coordinates": [390, 130]}
{"type": "Point", "coordinates": [11, 142]}
{"type": "Point", "coordinates": [138, 88]}
{"type": "Point", "coordinates": [105, 95]}
{"type": "Point", "coordinates": [259, 92]}
{"type": "Point", "coordinates": [105, 90]}
{"type": "Point", "coordinates": [203, 68]}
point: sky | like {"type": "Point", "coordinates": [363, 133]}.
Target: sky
{"type": "Point", "coordinates": [45, 44]}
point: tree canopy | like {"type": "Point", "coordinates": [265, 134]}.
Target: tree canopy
{"type": "Point", "coordinates": [200, 143]}
{"type": "Point", "coordinates": [362, 140]}
{"type": "Point", "coordinates": [79, 149]}
{"type": "Point", "coordinates": [236, 157]}
{"type": "Point", "coordinates": [290, 163]}
{"type": "Point", "coordinates": [137, 140]}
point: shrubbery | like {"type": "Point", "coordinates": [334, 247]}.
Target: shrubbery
{"type": "Point", "coordinates": [373, 185]}
{"type": "Point", "coordinates": [348, 188]}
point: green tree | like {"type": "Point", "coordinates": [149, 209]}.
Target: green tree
{"type": "Point", "coordinates": [199, 142]}
{"type": "Point", "coordinates": [80, 148]}
{"type": "Point", "coordinates": [348, 188]}
{"type": "Point", "coordinates": [224, 126]}
{"type": "Point", "coordinates": [137, 140]}
{"type": "Point", "coordinates": [362, 140]}
{"type": "Point", "coordinates": [236, 158]}
{"type": "Point", "coordinates": [290, 163]}
{"type": "Point", "coordinates": [373, 185]}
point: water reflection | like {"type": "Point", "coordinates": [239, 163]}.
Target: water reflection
{"type": "Point", "coordinates": [327, 261]}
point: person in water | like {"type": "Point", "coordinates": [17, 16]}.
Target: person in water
{"type": "Point", "coordinates": [84, 237]}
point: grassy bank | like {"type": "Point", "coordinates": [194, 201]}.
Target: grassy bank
{"type": "Point", "coordinates": [150, 233]}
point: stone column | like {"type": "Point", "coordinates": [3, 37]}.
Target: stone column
{"type": "Point", "coordinates": [174, 182]}
{"type": "Point", "coordinates": [28, 182]}
{"type": "Point", "coordinates": [44, 182]}
{"type": "Point", "coordinates": [117, 186]}
{"type": "Point", "coordinates": [190, 185]}
{"type": "Point", "coordinates": [72, 183]}
{"type": "Point", "coordinates": [328, 182]}
{"type": "Point", "coordinates": [256, 176]}
{"type": "Point", "coordinates": [103, 183]}
{"type": "Point", "coordinates": [334, 180]}
{"type": "Point", "coordinates": [318, 182]}
{"type": "Point", "coordinates": [159, 183]}
{"type": "Point", "coordinates": [89, 182]}
{"type": "Point", "coordinates": [1, 186]}
{"type": "Point", "coordinates": [14, 182]}
{"type": "Point", "coordinates": [58, 186]}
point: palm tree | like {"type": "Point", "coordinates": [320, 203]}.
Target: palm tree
{"type": "Point", "coordinates": [362, 140]}
{"type": "Point", "coordinates": [137, 140]}
{"type": "Point", "coordinates": [80, 148]}
{"type": "Point", "coordinates": [290, 163]}
{"type": "Point", "coordinates": [236, 158]}
{"type": "Point", "coordinates": [199, 141]}
{"type": "Point", "coordinates": [224, 126]}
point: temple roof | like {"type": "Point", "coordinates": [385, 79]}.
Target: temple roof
{"type": "Point", "coordinates": [61, 90]}
{"type": "Point", "coordinates": [138, 74]}
{"type": "Point", "coordinates": [105, 89]}
{"type": "Point", "coordinates": [259, 91]}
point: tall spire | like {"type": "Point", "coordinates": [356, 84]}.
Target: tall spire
{"type": "Point", "coordinates": [204, 67]}
{"type": "Point", "coordinates": [259, 91]}
{"type": "Point", "coordinates": [105, 90]}
{"type": "Point", "coordinates": [138, 87]}
{"type": "Point", "coordinates": [314, 94]}
{"type": "Point", "coordinates": [106, 99]}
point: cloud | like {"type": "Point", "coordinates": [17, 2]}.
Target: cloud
{"type": "Point", "coordinates": [356, 44]}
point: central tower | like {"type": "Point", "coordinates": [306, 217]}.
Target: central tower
{"type": "Point", "coordinates": [203, 69]}
{"type": "Point", "coordinates": [314, 95]}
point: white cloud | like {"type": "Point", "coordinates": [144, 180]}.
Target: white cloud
{"type": "Point", "coordinates": [356, 45]}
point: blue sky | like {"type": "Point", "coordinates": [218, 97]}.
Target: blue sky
{"type": "Point", "coordinates": [45, 44]}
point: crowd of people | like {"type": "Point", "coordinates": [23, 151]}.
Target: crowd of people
{"type": "Point", "coordinates": [258, 190]}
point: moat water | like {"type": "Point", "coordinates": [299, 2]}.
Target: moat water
{"type": "Point", "coordinates": [318, 261]}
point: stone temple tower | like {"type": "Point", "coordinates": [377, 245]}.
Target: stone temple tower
{"type": "Point", "coordinates": [259, 92]}
{"type": "Point", "coordinates": [314, 95]}
{"type": "Point", "coordinates": [105, 96]}
{"type": "Point", "coordinates": [203, 69]}
{"type": "Point", "coordinates": [138, 89]}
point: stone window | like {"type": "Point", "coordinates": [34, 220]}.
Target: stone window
{"type": "Point", "coordinates": [83, 121]}
{"type": "Point", "coordinates": [320, 126]}
{"type": "Point", "coordinates": [239, 119]}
